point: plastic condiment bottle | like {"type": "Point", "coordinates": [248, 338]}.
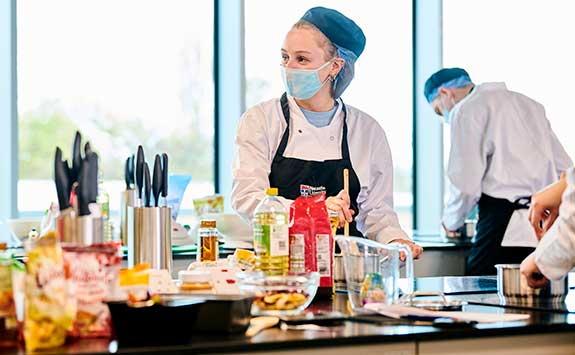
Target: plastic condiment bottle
{"type": "Point", "coordinates": [271, 235]}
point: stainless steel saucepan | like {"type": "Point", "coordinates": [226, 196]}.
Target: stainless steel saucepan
{"type": "Point", "coordinates": [512, 286]}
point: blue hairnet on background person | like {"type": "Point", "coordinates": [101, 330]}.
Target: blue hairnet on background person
{"type": "Point", "coordinates": [309, 136]}
{"type": "Point", "coordinates": [448, 78]}
{"type": "Point", "coordinates": [502, 150]}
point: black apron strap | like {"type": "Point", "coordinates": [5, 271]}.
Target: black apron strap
{"type": "Point", "coordinates": [344, 145]}
{"type": "Point", "coordinates": [283, 143]}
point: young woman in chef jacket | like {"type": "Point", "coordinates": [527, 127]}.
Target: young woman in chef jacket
{"type": "Point", "coordinates": [309, 136]}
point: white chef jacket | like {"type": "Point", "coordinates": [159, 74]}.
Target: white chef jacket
{"type": "Point", "coordinates": [502, 145]}
{"type": "Point", "coordinates": [555, 255]}
{"type": "Point", "coordinates": [259, 133]}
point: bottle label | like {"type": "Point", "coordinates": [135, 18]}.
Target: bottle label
{"type": "Point", "coordinates": [296, 253]}
{"type": "Point", "coordinates": [271, 240]}
{"type": "Point", "coordinates": [323, 255]}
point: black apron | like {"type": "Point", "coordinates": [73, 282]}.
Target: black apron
{"type": "Point", "coordinates": [287, 174]}
{"type": "Point", "coordinates": [494, 216]}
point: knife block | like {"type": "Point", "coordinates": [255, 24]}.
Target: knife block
{"type": "Point", "coordinates": [127, 199]}
{"type": "Point", "coordinates": [80, 230]}
{"type": "Point", "coordinates": [66, 225]}
{"type": "Point", "coordinates": [149, 231]}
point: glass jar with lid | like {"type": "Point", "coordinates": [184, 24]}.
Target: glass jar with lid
{"type": "Point", "coordinates": [208, 248]}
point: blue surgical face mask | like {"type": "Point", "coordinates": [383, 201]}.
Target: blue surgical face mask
{"type": "Point", "coordinates": [445, 112]}
{"type": "Point", "coordinates": [445, 116]}
{"type": "Point", "coordinates": [303, 83]}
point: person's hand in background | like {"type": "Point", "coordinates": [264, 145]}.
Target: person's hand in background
{"type": "Point", "coordinates": [544, 208]}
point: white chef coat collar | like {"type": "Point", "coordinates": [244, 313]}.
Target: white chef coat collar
{"type": "Point", "coordinates": [479, 88]}
{"type": "Point", "coordinates": [296, 112]}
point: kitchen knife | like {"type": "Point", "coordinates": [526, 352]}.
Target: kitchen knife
{"type": "Point", "coordinates": [147, 186]}
{"type": "Point", "coordinates": [68, 171]}
{"type": "Point", "coordinates": [87, 149]}
{"type": "Point", "coordinates": [140, 171]}
{"type": "Point", "coordinates": [157, 179]}
{"type": "Point", "coordinates": [92, 159]}
{"type": "Point", "coordinates": [165, 178]}
{"type": "Point", "coordinates": [127, 173]}
{"type": "Point", "coordinates": [131, 172]}
{"type": "Point", "coordinates": [61, 180]}
{"type": "Point", "coordinates": [83, 190]}
{"type": "Point", "coordinates": [76, 157]}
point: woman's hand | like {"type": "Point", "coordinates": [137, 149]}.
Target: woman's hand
{"type": "Point", "coordinates": [340, 203]}
{"type": "Point", "coordinates": [416, 250]}
{"type": "Point", "coordinates": [544, 208]}
{"type": "Point", "coordinates": [534, 277]}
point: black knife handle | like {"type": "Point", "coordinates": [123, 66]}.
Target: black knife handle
{"type": "Point", "coordinates": [77, 156]}
{"type": "Point", "coordinates": [147, 185]}
{"type": "Point", "coordinates": [140, 171]}
{"type": "Point", "coordinates": [132, 171]}
{"type": "Point", "coordinates": [61, 180]}
{"type": "Point", "coordinates": [157, 179]}
{"type": "Point", "coordinates": [83, 189]}
{"type": "Point", "coordinates": [87, 149]}
{"type": "Point", "coordinates": [127, 173]}
{"type": "Point", "coordinates": [165, 175]}
{"type": "Point", "coordinates": [92, 158]}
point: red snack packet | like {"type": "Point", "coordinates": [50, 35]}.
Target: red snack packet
{"type": "Point", "coordinates": [322, 233]}
{"type": "Point", "coordinates": [94, 273]}
{"type": "Point", "coordinates": [302, 243]}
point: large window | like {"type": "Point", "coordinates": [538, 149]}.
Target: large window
{"type": "Point", "coordinates": [383, 81]}
{"type": "Point", "coordinates": [122, 72]}
{"type": "Point", "coordinates": [526, 44]}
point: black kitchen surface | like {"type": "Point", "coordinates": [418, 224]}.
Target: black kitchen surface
{"type": "Point", "coordinates": [350, 333]}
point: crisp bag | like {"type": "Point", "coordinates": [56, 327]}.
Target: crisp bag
{"type": "Point", "coordinates": [323, 239]}
{"type": "Point", "coordinates": [94, 273]}
{"type": "Point", "coordinates": [50, 306]}
{"type": "Point", "coordinates": [301, 239]}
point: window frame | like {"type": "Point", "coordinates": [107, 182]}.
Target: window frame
{"type": "Point", "coordinates": [229, 64]}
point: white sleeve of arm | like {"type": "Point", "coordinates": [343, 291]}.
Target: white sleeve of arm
{"type": "Point", "coordinates": [562, 159]}
{"type": "Point", "coordinates": [467, 163]}
{"type": "Point", "coordinates": [252, 165]}
{"type": "Point", "coordinates": [459, 205]}
{"type": "Point", "coordinates": [555, 254]}
{"type": "Point", "coordinates": [376, 218]}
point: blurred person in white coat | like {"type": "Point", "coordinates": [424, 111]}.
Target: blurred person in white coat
{"type": "Point", "coordinates": [502, 151]}
{"type": "Point", "coordinates": [309, 136]}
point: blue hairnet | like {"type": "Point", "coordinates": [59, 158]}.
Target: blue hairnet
{"type": "Point", "coordinates": [447, 78]}
{"type": "Point", "coordinates": [340, 30]}
{"type": "Point", "coordinates": [346, 73]}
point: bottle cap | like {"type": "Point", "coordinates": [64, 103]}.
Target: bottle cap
{"type": "Point", "coordinates": [272, 191]}
{"type": "Point", "coordinates": [208, 223]}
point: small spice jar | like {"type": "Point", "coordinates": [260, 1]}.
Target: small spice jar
{"type": "Point", "coordinates": [208, 248]}
{"type": "Point", "coordinates": [195, 280]}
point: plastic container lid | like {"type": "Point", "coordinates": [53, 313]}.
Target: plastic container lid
{"type": "Point", "coordinates": [195, 276]}
{"type": "Point", "coordinates": [272, 191]}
